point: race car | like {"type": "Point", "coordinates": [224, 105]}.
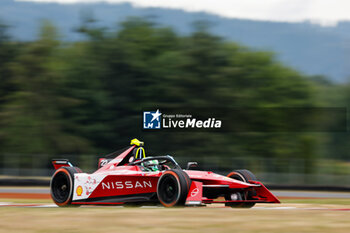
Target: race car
{"type": "Point", "coordinates": [130, 177]}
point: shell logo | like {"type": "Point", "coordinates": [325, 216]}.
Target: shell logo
{"type": "Point", "coordinates": [79, 190]}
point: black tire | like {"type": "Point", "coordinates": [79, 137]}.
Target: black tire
{"type": "Point", "coordinates": [62, 184]}
{"type": "Point", "coordinates": [242, 175]}
{"type": "Point", "coordinates": [173, 187]}
{"type": "Point", "coordinates": [188, 180]}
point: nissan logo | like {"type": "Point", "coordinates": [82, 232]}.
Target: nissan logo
{"type": "Point", "coordinates": [194, 192]}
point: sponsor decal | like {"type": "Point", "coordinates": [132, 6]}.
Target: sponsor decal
{"type": "Point", "coordinates": [194, 192]}
{"type": "Point", "coordinates": [85, 185]}
{"type": "Point", "coordinates": [103, 162]}
{"type": "Point", "coordinates": [126, 184]}
{"type": "Point", "coordinates": [79, 190]}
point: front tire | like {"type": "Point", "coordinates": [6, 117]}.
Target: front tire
{"type": "Point", "coordinates": [173, 187]}
{"type": "Point", "coordinates": [242, 175]}
{"type": "Point", "coordinates": [62, 184]}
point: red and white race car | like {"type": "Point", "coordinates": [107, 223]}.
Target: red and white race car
{"type": "Point", "coordinates": [131, 178]}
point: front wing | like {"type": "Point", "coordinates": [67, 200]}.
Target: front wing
{"type": "Point", "coordinates": [195, 195]}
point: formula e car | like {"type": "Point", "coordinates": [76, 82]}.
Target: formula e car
{"type": "Point", "coordinates": [131, 178]}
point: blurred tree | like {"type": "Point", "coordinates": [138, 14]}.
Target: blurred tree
{"type": "Point", "coordinates": [7, 54]}
{"type": "Point", "coordinates": [88, 96]}
{"type": "Point", "coordinates": [34, 123]}
{"type": "Point", "coordinates": [336, 144]}
{"type": "Point", "coordinates": [8, 51]}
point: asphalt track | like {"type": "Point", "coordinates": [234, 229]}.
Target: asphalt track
{"type": "Point", "coordinates": [285, 207]}
{"type": "Point", "coordinates": [45, 192]}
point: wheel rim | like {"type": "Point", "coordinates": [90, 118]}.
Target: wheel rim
{"type": "Point", "coordinates": [235, 196]}
{"type": "Point", "coordinates": [243, 196]}
{"type": "Point", "coordinates": [60, 187]}
{"type": "Point", "coordinates": [168, 189]}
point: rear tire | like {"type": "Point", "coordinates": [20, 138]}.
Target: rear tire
{"type": "Point", "coordinates": [242, 175]}
{"type": "Point", "coordinates": [62, 184]}
{"type": "Point", "coordinates": [173, 187]}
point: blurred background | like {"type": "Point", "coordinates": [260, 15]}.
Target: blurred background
{"type": "Point", "coordinates": [74, 79]}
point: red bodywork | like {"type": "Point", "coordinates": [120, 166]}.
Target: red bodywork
{"type": "Point", "coordinates": [118, 182]}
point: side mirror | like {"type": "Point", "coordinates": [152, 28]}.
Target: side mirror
{"type": "Point", "coordinates": [192, 166]}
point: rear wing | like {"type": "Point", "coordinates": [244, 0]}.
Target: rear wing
{"type": "Point", "coordinates": [58, 163]}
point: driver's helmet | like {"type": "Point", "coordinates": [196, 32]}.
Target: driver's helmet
{"type": "Point", "coordinates": [151, 165]}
